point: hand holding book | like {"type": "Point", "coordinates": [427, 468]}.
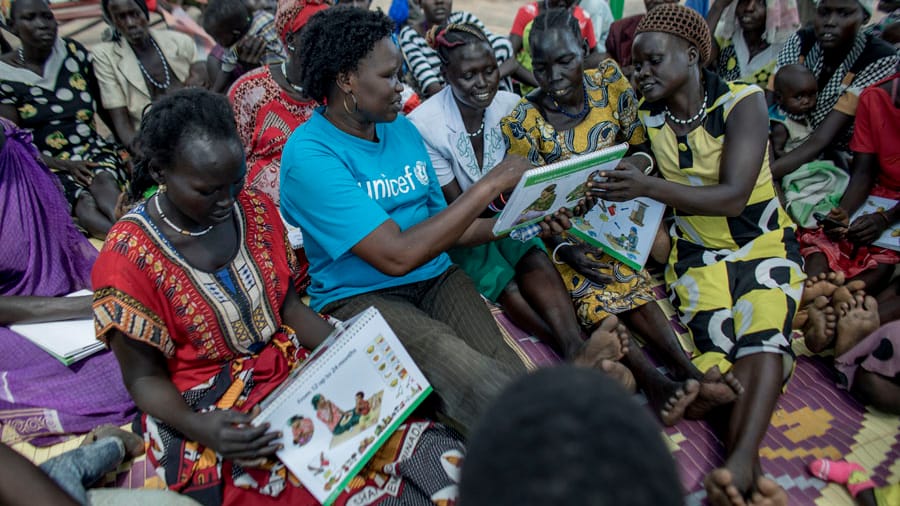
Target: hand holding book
{"type": "Point", "coordinates": [628, 181]}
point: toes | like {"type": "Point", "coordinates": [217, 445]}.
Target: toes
{"type": "Point", "coordinates": [821, 302]}
{"type": "Point", "coordinates": [608, 324]}
{"type": "Point", "coordinates": [870, 303]}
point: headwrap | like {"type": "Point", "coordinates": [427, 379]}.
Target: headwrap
{"type": "Point", "coordinates": [682, 22]}
{"type": "Point", "coordinates": [293, 15]}
{"type": "Point", "coordinates": [781, 21]}
{"type": "Point", "coordinates": [867, 5]}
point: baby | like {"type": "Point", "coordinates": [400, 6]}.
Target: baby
{"type": "Point", "coordinates": [795, 97]}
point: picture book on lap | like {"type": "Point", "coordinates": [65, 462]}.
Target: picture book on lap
{"type": "Point", "coordinates": [890, 238]}
{"type": "Point", "coordinates": [343, 403]}
{"type": "Point", "coordinates": [545, 190]}
{"type": "Point", "coordinates": [624, 230]}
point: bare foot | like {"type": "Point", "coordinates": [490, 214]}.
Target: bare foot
{"type": "Point", "coordinates": [820, 326]}
{"type": "Point", "coordinates": [821, 284]}
{"type": "Point", "coordinates": [768, 493]}
{"type": "Point", "coordinates": [670, 399]}
{"type": "Point", "coordinates": [856, 319]}
{"type": "Point", "coordinates": [721, 490]}
{"type": "Point", "coordinates": [846, 292]}
{"type": "Point", "coordinates": [134, 444]}
{"type": "Point", "coordinates": [716, 389]}
{"type": "Point", "coordinates": [608, 342]}
{"type": "Point", "coordinates": [620, 373]}
{"type": "Point", "coordinates": [800, 319]}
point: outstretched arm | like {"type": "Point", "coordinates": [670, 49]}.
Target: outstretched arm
{"type": "Point", "coordinates": [20, 309]}
{"type": "Point", "coordinates": [746, 135]}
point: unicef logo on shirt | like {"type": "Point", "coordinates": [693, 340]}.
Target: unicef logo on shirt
{"type": "Point", "coordinates": [421, 172]}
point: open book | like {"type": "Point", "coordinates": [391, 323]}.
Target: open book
{"type": "Point", "coordinates": [890, 238]}
{"type": "Point", "coordinates": [545, 190]}
{"type": "Point", "coordinates": [343, 403]}
{"type": "Point", "coordinates": [68, 341]}
{"type": "Point", "coordinates": [625, 230]}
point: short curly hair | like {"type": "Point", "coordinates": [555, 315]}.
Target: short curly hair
{"type": "Point", "coordinates": [682, 22]}
{"type": "Point", "coordinates": [334, 41]}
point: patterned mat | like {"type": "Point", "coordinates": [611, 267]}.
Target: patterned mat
{"type": "Point", "coordinates": [813, 419]}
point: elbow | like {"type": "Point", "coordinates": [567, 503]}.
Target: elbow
{"type": "Point", "coordinates": [396, 264]}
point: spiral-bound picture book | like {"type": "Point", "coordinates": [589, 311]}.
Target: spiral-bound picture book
{"type": "Point", "coordinates": [545, 190]}
{"type": "Point", "coordinates": [343, 403]}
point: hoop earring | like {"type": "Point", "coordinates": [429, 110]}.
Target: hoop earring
{"type": "Point", "coordinates": [355, 104]}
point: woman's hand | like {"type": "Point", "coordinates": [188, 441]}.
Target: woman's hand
{"type": "Point", "coordinates": [583, 258]}
{"type": "Point", "coordinates": [80, 170]}
{"type": "Point", "coordinates": [230, 434]}
{"type": "Point", "coordinates": [506, 174]}
{"type": "Point", "coordinates": [627, 182]}
{"type": "Point", "coordinates": [556, 223]}
{"type": "Point", "coordinates": [867, 228]}
{"type": "Point", "coordinates": [837, 233]}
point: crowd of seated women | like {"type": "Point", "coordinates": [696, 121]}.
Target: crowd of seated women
{"type": "Point", "coordinates": [220, 211]}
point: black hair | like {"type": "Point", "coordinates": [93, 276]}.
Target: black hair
{"type": "Point", "coordinates": [447, 37]}
{"type": "Point", "coordinates": [334, 41]}
{"type": "Point", "coordinates": [185, 114]}
{"type": "Point", "coordinates": [789, 74]}
{"type": "Point", "coordinates": [220, 14]}
{"type": "Point", "coordinates": [572, 436]}
{"type": "Point", "coordinates": [553, 19]}
{"type": "Point", "coordinates": [12, 10]}
{"type": "Point", "coordinates": [104, 7]}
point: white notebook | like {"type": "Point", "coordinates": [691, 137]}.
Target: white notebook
{"type": "Point", "coordinates": [69, 341]}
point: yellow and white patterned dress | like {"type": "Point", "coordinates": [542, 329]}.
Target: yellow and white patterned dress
{"type": "Point", "coordinates": [736, 281]}
{"type": "Point", "coordinates": [612, 119]}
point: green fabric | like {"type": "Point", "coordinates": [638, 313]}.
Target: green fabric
{"type": "Point", "coordinates": [493, 265]}
{"type": "Point", "coordinates": [814, 187]}
{"type": "Point", "coordinates": [617, 7]}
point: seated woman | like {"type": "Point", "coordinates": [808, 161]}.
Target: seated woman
{"type": "Point", "coordinates": [750, 37]}
{"type": "Point", "coordinates": [518, 275]}
{"type": "Point", "coordinates": [43, 257]}
{"type": "Point", "coordinates": [576, 111]}
{"type": "Point", "coordinates": [424, 64]}
{"type": "Point", "coordinates": [847, 251]}
{"type": "Point", "coordinates": [269, 105]}
{"type": "Point", "coordinates": [49, 86]}
{"type": "Point", "coordinates": [140, 65]}
{"type": "Point", "coordinates": [735, 268]}
{"type": "Point", "coordinates": [845, 60]}
{"type": "Point", "coordinates": [358, 181]}
{"type": "Point", "coordinates": [195, 295]}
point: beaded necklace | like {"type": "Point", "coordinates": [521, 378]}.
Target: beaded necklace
{"type": "Point", "coordinates": [700, 114]}
{"type": "Point", "coordinates": [579, 115]}
{"type": "Point", "coordinates": [168, 80]}
{"type": "Point", "coordinates": [168, 222]}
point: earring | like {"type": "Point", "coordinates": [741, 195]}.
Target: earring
{"type": "Point", "coordinates": [161, 188]}
{"type": "Point", "coordinates": [355, 104]}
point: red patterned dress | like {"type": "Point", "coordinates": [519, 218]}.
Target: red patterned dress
{"type": "Point", "coordinates": [266, 116]}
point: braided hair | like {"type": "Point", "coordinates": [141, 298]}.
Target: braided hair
{"type": "Point", "coordinates": [334, 41]}
{"type": "Point", "coordinates": [447, 37]}
{"type": "Point", "coordinates": [553, 19]}
{"type": "Point", "coordinates": [176, 117]}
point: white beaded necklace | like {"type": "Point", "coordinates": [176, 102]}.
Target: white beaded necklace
{"type": "Point", "coordinates": [700, 114]}
{"type": "Point", "coordinates": [162, 59]}
{"type": "Point", "coordinates": [168, 222]}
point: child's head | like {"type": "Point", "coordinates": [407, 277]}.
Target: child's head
{"type": "Point", "coordinates": [360, 396]}
{"type": "Point", "coordinates": [227, 21]}
{"type": "Point", "coordinates": [795, 89]}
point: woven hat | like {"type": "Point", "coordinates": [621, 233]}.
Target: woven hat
{"type": "Point", "coordinates": [682, 22]}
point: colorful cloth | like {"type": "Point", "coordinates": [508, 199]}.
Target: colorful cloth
{"type": "Point", "coordinates": [815, 187]}
{"type": "Point", "coordinates": [868, 61]}
{"type": "Point", "coordinates": [612, 119]}
{"type": "Point", "coordinates": [798, 129]}
{"type": "Point", "coordinates": [735, 63]}
{"type": "Point", "coordinates": [879, 353]}
{"type": "Point", "coordinates": [43, 254]}
{"type": "Point", "coordinates": [266, 117]}
{"type": "Point", "coordinates": [424, 63]}
{"type": "Point", "coordinates": [59, 108]}
{"type": "Point", "coordinates": [262, 26]}
{"type": "Point", "coordinates": [736, 281]}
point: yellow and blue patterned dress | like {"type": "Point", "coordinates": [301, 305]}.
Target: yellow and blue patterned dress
{"type": "Point", "coordinates": [612, 119]}
{"type": "Point", "coordinates": [736, 281]}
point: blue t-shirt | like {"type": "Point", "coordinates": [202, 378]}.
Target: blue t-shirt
{"type": "Point", "coordinates": [339, 188]}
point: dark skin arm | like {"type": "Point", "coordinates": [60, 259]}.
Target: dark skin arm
{"type": "Point", "coordinates": [520, 73]}
{"type": "Point", "coordinates": [94, 90]}
{"type": "Point", "coordinates": [395, 252]}
{"type": "Point", "coordinates": [121, 124]}
{"type": "Point", "coordinates": [23, 483]}
{"type": "Point", "coordinates": [831, 126]}
{"type": "Point", "coordinates": [746, 133]}
{"type": "Point", "coordinates": [146, 376]}
{"type": "Point", "coordinates": [712, 19]}
{"type": "Point", "coordinates": [778, 137]}
{"type": "Point", "coordinates": [866, 228]}
{"type": "Point", "coordinates": [22, 309]}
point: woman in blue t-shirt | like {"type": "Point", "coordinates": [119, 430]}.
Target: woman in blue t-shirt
{"type": "Point", "coordinates": [358, 181]}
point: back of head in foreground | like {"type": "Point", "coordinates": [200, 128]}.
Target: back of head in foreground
{"type": "Point", "coordinates": [567, 435]}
